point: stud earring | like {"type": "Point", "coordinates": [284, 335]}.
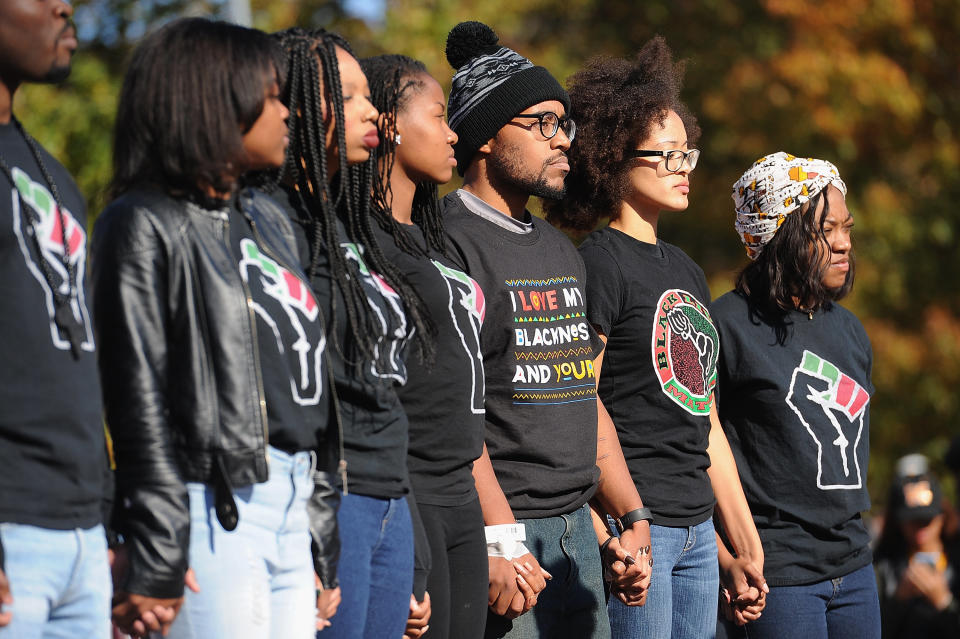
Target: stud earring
{"type": "Point", "coordinates": [396, 139]}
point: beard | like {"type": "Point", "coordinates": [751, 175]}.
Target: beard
{"type": "Point", "coordinates": [505, 168]}
{"type": "Point", "coordinates": [57, 74]}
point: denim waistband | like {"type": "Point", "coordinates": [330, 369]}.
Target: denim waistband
{"type": "Point", "coordinates": [295, 465]}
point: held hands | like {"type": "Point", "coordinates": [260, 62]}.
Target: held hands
{"type": "Point", "coordinates": [515, 584]}
{"type": "Point", "coordinates": [628, 563]}
{"type": "Point", "coordinates": [6, 599]}
{"type": "Point", "coordinates": [419, 618]}
{"type": "Point", "coordinates": [328, 600]}
{"type": "Point", "coordinates": [743, 590]}
{"type": "Point", "coordinates": [139, 615]}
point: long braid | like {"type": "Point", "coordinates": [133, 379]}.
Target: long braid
{"type": "Point", "coordinates": [428, 215]}
{"type": "Point", "coordinates": [392, 78]}
{"type": "Point", "coordinates": [360, 226]}
{"type": "Point", "coordinates": [306, 165]}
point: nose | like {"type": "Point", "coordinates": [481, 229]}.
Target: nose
{"type": "Point", "coordinates": [285, 111]}
{"type": "Point", "coordinates": [372, 115]}
{"type": "Point", "coordinates": [64, 9]}
{"type": "Point", "coordinates": [560, 141]}
{"type": "Point", "coordinates": [452, 136]}
{"type": "Point", "coordinates": [841, 242]}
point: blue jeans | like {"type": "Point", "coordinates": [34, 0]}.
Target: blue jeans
{"type": "Point", "coordinates": [572, 603]}
{"type": "Point", "coordinates": [682, 602]}
{"type": "Point", "coordinates": [375, 569]}
{"type": "Point", "coordinates": [845, 607]}
{"type": "Point", "coordinates": [60, 582]}
{"type": "Point", "coordinates": [256, 582]}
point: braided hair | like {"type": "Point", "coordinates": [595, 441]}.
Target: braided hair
{"type": "Point", "coordinates": [308, 85]}
{"type": "Point", "coordinates": [392, 79]}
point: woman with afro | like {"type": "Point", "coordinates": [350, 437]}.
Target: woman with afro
{"type": "Point", "coordinates": [648, 301]}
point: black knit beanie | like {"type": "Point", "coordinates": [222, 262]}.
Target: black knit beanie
{"type": "Point", "coordinates": [492, 85]}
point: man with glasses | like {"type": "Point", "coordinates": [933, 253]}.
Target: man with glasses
{"type": "Point", "coordinates": [544, 454]}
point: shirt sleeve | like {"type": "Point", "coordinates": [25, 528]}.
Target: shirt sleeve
{"type": "Point", "coordinates": [604, 288]}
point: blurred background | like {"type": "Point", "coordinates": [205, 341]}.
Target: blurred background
{"type": "Point", "coordinates": [872, 85]}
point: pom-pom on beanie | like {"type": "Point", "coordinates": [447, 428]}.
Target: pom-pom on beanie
{"type": "Point", "coordinates": [492, 84]}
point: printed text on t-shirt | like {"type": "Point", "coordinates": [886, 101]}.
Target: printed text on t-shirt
{"type": "Point", "coordinates": [554, 358]}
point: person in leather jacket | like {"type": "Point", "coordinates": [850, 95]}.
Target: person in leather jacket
{"type": "Point", "coordinates": [213, 354]}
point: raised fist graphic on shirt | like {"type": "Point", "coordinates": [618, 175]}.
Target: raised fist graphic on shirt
{"type": "Point", "coordinates": [831, 406]}
{"type": "Point", "coordinates": [680, 324]}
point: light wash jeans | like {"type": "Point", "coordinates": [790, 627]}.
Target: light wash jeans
{"type": "Point", "coordinates": [256, 582]}
{"type": "Point", "coordinates": [60, 582]}
{"type": "Point", "coordinates": [682, 601]}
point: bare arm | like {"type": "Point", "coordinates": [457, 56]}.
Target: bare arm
{"type": "Point", "coordinates": [616, 492]}
{"type": "Point", "coordinates": [493, 502]}
{"type": "Point", "coordinates": [617, 495]}
{"type": "Point", "coordinates": [732, 508]}
{"type": "Point", "coordinates": [514, 585]}
{"type": "Point", "coordinates": [741, 573]}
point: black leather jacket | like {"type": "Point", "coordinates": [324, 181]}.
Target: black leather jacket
{"type": "Point", "coordinates": [182, 389]}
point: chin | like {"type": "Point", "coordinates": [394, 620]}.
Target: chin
{"type": "Point", "coordinates": [58, 72]}
{"type": "Point", "coordinates": [676, 207]}
{"type": "Point", "coordinates": [358, 157]}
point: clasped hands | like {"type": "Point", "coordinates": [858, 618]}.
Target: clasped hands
{"type": "Point", "coordinates": [515, 584]}
{"type": "Point", "coordinates": [139, 615]}
{"type": "Point", "coordinates": [743, 590]}
{"type": "Point", "coordinates": [628, 564]}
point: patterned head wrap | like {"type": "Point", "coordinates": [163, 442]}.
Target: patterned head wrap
{"type": "Point", "coordinates": [775, 186]}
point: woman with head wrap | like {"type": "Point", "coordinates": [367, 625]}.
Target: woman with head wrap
{"type": "Point", "coordinates": [794, 399]}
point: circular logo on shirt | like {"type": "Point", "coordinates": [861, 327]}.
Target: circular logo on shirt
{"type": "Point", "coordinates": [685, 350]}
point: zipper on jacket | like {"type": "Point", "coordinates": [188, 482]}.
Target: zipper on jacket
{"type": "Point", "coordinates": [335, 402]}
{"type": "Point", "coordinates": [256, 350]}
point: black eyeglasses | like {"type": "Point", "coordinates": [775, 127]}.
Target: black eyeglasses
{"type": "Point", "coordinates": [550, 123]}
{"type": "Point", "coordinates": [675, 159]}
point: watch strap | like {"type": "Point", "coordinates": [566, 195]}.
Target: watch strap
{"type": "Point", "coordinates": [638, 514]}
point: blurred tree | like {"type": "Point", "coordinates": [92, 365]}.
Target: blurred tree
{"type": "Point", "coordinates": [873, 85]}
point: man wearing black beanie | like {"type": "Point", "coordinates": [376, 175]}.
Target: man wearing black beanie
{"type": "Point", "coordinates": [547, 456]}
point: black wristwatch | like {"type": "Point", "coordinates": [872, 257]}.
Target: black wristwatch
{"type": "Point", "coordinates": [632, 517]}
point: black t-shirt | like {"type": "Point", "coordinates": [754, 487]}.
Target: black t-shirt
{"type": "Point", "coordinates": [374, 422]}
{"type": "Point", "coordinates": [290, 343]}
{"type": "Point", "coordinates": [797, 417]}
{"type": "Point", "coordinates": [659, 368]}
{"type": "Point", "coordinates": [52, 448]}
{"type": "Point", "coordinates": [538, 351]}
{"type": "Point", "coordinates": [444, 401]}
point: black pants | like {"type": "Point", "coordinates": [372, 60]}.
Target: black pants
{"type": "Point", "coordinates": [459, 576]}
